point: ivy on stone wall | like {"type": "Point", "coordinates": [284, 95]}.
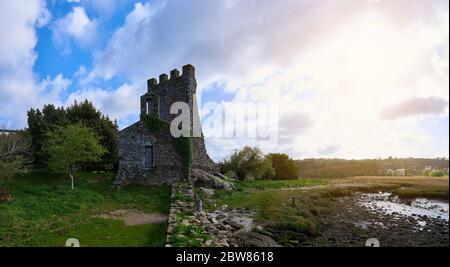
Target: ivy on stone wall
{"type": "Point", "coordinates": [152, 122]}
{"type": "Point", "coordinates": [184, 147]}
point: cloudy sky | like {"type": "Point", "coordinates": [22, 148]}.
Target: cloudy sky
{"type": "Point", "coordinates": [348, 78]}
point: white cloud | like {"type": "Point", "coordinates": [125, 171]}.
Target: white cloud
{"type": "Point", "coordinates": [119, 103]}
{"type": "Point", "coordinates": [415, 106]}
{"type": "Point", "coordinates": [339, 77]}
{"type": "Point", "coordinates": [330, 83]}
{"type": "Point", "coordinates": [19, 88]}
{"type": "Point", "coordinates": [51, 89]}
{"type": "Point", "coordinates": [74, 26]}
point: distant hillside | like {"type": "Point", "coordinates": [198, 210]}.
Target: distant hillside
{"type": "Point", "coordinates": [322, 168]}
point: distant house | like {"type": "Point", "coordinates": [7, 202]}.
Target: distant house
{"type": "Point", "coordinates": [400, 172]}
{"type": "Point", "coordinates": [428, 168]}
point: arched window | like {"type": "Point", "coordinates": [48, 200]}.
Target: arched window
{"type": "Point", "coordinates": [149, 157]}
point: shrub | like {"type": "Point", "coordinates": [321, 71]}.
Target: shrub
{"type": "Point", "coordinates": [285, 167]}
{"type": "Point", "coordinates": [437, 173]}
{"type": "Point", "coordinates": [231, 174]}
{"type": "Point", "coordinates": [251, 162]}
{"type": "Point", "coordinates": [248, 162]}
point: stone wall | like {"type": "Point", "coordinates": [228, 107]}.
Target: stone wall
{"type": "Point", "coordinates": [221, 227]}
{"type": "Point", "coordinates": [167, 161]}
{"type": "Point", "coordinates": [178, 207]}
{"type": "Point", "coordinates": [201, 159]}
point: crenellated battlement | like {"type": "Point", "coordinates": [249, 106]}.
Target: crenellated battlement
{"type": "Point", "coordinates": [164, 91]}
{"type": "Point", "coordinates": [188, 71]}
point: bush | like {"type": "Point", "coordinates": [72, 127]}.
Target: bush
{"type": "Point", "coordinates": [251, 162]}
{"type": "Point", "coordinates": [231, 175]}
{"type": "Point", "coordinates": [248, 162]}
{"type": "Point", "coordinates": [437, 174]}
{"type": "Point", "coordinates": [285, 167]}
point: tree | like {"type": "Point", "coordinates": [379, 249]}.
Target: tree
{"type": "Point", "coordinates": [333, 168]}
{"type": "Point", "coordinates": [285, 167]}
{"type": "Point", "coordinates": [248, 163]}
{"type": "Point", "coordinates": [88, 115]}
{"type": "Point", "coordinates": [15, 154]}
{"type": "Point", "coordinates": [36, 130]}
{"type": "Point", "coordinates": [71, 146]}
{"type": "Point", "coordinates": [265, 170]}
{"type": "Point", "coordinates": [85, 113]}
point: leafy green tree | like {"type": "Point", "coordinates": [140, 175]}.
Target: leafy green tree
{"type": "Point", "coordinates": [88, 115]}
{"type": "Point", "coordinates": [265, 170]}
{"type": "Point", "coordinates": [285, 167]}
{"type": "Point", "coordinates": [85, 113]}
{"type": "Point", "coordinates": [71, 146]}
{"type": "Point", "coordinates": [247, 163]}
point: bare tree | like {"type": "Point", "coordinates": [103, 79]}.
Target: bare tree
{"type": "Point", "coordinates": [15, 153]}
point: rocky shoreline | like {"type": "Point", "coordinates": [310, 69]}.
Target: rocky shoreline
{"type": "Point", "coordinates": [347, 222]}
{"type": "Point", "coordinates": [351, 224]}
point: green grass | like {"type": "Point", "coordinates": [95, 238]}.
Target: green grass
{"type": "Point", "coordinates": [182, 197]}
{"type": "Point", "coordinates": [107, 233]}
{"type": "Point", "coordinates": [273, 205]}
{"type": "Point", "coordinates": [45, 212]}
{"type": "Point", "coordinates": [277, 184]}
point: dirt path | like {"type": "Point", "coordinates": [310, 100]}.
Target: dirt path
{"type": "Point", "coordinates": [135, 217]}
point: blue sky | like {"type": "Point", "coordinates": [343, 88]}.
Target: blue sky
{"type": "Point", "coordinates": [350, 79]}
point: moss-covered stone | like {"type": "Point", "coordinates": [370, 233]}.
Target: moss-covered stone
{"type": "Point", "coordinates": [152, 122]}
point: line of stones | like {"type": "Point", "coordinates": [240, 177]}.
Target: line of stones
{"type": "Point", "coordinates": [178, 206]}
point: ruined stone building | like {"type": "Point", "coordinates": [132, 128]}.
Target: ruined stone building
{"type": "Point", "coordinates": [148, 156]}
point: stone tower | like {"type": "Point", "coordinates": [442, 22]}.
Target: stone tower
{"type": "Point", "coordinates": [150, 157]}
